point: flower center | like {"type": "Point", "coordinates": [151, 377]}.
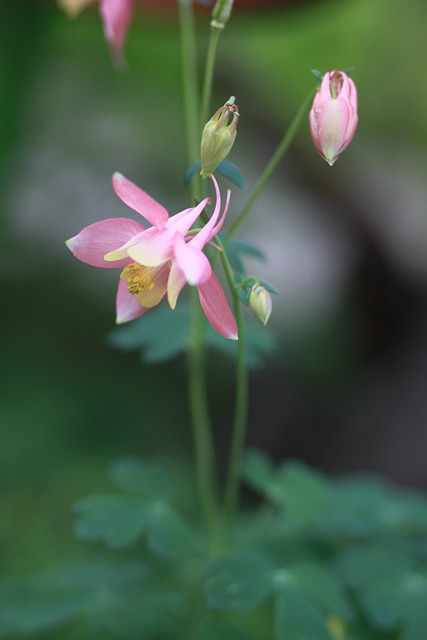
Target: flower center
{"type": "Point", "coordinates": [139, 278]}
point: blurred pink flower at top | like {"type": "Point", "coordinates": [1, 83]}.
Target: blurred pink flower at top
{"type": "Point", "coordinates": [116, 17]}
{"type": "Point", "coordinates": [333, 116]}
{"type": "Point", "coordinates": [157, 262]}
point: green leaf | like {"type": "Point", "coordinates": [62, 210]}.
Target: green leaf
{"type": "Point", "coordinates": [232, 172]}
{"type": "Point", "coordinates": [225, 168]}
{"type": "Point", "coordinates": [259, 342]}
{"type": "Point", "coordinates": [322, 587]}
{"type": "Point", "coordinates": [302, 492]}
{"type": "Point", "coordinates": [161, 334]}
{"type": "Point", "coordinates": [137, 613]}
{"type": "Point", "coordinates": [150, 479]}
{"type": "Point", "coordinates": [268, 286]}
{"type": "Point", "coordinates": [61, 594]}
{"type": "Point", "coordinates": [365, 506]}
{"type": "Point", "coordinates": [258, 470]}
{"type": "Point", "coordinates": [240, 582]}
{"type": "Point", "coordinates": [318, 74]}
{"type": "Point", "coordinates": [398, 599]}
{"type": "Point", "coordinates": [191, 171]}
{"type": "Point", "coordinates": [362, 564]}
{"type": "Point", "coordinates": [238, 249]}
{"type": "Point", "coordinates": [117, 520]}
{"type": "Point", "coordinates": [27, 609]}
{"type": "Point", "coordinates": [296, 617]}
{"type": "Point", "coordinates": [169, 535]}
{"type": "Point", "coordinates": [214, 629]}
{"type": "Point", "coordinates": [308, 596]}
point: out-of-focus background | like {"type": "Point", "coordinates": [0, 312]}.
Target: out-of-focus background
{"type": "Point", "coordinates": [347, 247]}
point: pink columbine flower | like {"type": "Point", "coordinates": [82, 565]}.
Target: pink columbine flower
{"type": "Point", "coordinates": [157, 261]}
{"type": "Point", "coordinates": [333, 116]}
{"type": "Point", "coordinates": [116, 17]}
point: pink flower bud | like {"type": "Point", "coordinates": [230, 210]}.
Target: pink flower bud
{"type": "Point", "coordinates": [260, 303]}
{"type": "Point", "coordinates": [333, 116]}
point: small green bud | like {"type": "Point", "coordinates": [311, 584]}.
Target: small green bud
{"type": "Point", "coordinates": [221, 13]}
{"type": "Point", "coordinates": [218, 137]}
{"type": "Point", "coordinates": [260, 303]}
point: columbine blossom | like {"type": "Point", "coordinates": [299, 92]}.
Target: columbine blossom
{"type": "Point", "coordinates": [157, 261]}
{"type": "Point", "coordinates": [333, 116]}
{"type": "Point", "coordinates": [116, 16]}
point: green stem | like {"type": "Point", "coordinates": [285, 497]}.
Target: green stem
{"type": "Point", "coordinates": [188, 50]}
{"type": "Point", "coordinates": [273, 163]}
{"type": "Point", "coordinates": [209, 74]}
{"type": "Point", "coordinates": [241, 404]}
{"type": "Point", "coordinates": [202, 433]}
{"type": "Point", "coordinates": [204, 448]}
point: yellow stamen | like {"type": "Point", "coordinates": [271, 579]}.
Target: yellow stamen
{"type": "Point", "coordinates": [139, 278]}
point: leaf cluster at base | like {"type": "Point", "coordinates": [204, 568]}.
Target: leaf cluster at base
{"type": "Point", "coordinates": [315, 559]}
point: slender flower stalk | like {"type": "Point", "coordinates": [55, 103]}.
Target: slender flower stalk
{"type": "Point", "coordinates": [220, 15]}
{"type": "Point", "coordinates": [189, 78]}
{"type": "Point", "coordinates": [205, 462]}
{"type": "Point", "coordinates": [272, 165]}
{"type": "Point", "coordinates": [209, 74]}
{"type": "Point", "coordinates": [241, 403]}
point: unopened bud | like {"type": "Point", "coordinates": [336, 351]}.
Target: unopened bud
{"type": "Point", "coordinates": [218, 137]}
{"type": "Point", "coordinates": [260, 303]}
{"type": "Point", "coordinates": [221, 13]}
{"type": "Point", "coordinates": [333, 116]}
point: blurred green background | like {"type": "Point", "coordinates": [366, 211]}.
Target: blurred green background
{"type": "Point", "coordinates": [347, 247]}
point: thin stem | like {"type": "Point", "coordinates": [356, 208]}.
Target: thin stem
{"type": "Point", "coordinates": [241, 404]}
{"type": "Point", "coordinates": [202, 434]}
{"type": "Point", "coordinates": [204, 449]}
{"type": "Point", "coordinates": [273, 163]}
{"type": "Point", "coordinates": [188, 50]}
{"type": "Point", "coordinates": [209, 74]}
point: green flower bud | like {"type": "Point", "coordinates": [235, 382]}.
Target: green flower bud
{"type": "Point", "coordinates": [260, 303]}
{"type": "Point", "coordinates": [221, 13]}
{"type": "Point", "coordinates": [218, 137]}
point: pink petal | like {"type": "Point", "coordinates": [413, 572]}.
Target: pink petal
{"type": "Point", "coordinates": [217, 309]}
{"type": "Point", "coordinates": [100, 238]}
{"type": "Point", "coordinates": [329, 123]}
{"type": "Point", "coordinates": [127, 307]}
{"type": "Point", "coordinates": [139, 201]}
{"type": "Point", "coordinates": [208, 231]}
{"type": "Point", "coordinates": [116, 17]}
{"type": "Point", "coordinates": [191, 261]}
{"type": "Point", "coordinates": [183, 221]}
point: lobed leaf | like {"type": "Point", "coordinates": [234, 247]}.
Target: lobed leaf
{"type": "Point", "coordinates": [308, 598]}
{"type": "Point", "coordinates": [169, 535]}
{"type": "Point", "coordinates": [117, 520]}
{"type": "Point", "coordinates": [160, 334]}
{"type": "Point", "coordinates": [150, 479]}
{"type": "Point", "coordinates": [26, 609]}
{"type": "Point", "coordinates": [240, 582]}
